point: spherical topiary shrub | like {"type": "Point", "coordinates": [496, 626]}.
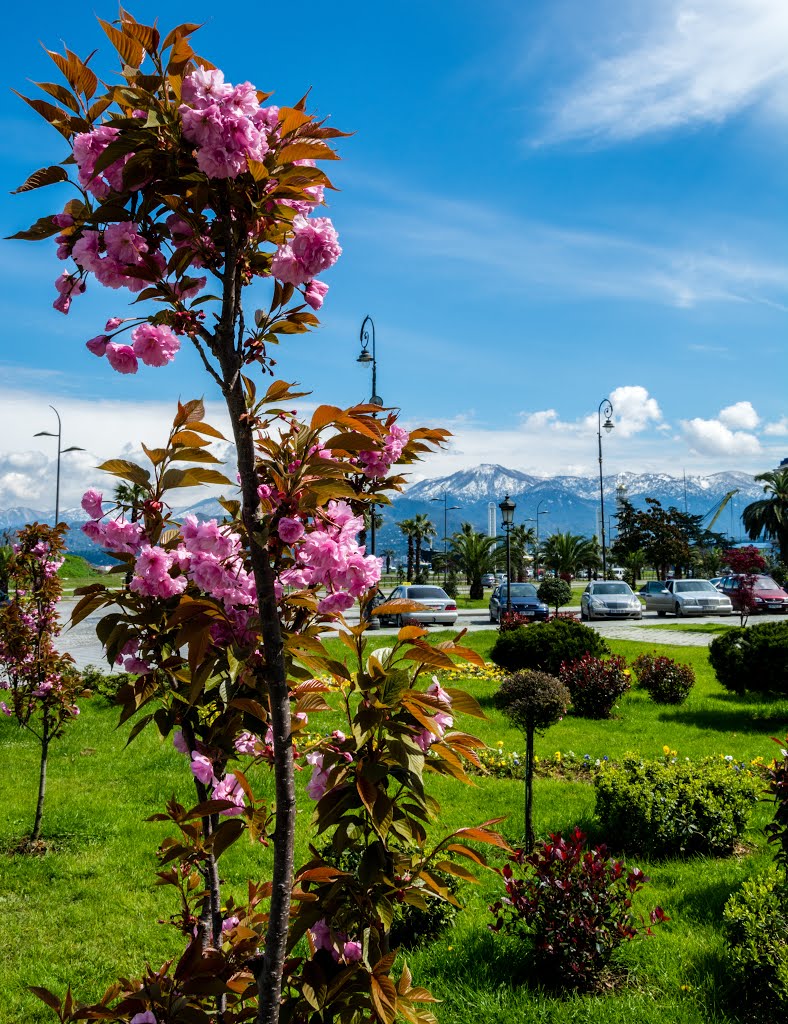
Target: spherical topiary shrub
{"type": "Point", "coordinates": [532, 702]}
{"type": "Point", "coordinates": [754, 658]}
{"type": "Point", "coordinates": [543, 646]}
{"type": "Point", "coordinates": [555, 592]}
{"type": "Point", "coordinates": [663, 679]}
{"type": "Point", "coordinates": [595, 685]}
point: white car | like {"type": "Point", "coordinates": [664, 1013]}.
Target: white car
{"type": "Point", "coordinates": [607, 599]}
{"type": "Point", "coordinates": [438, 609]}
{"type": "Point", "coordinates": [689, 597]}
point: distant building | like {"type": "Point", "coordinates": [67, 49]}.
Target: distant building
{"type": "Point", "coordinates": [492, 519]}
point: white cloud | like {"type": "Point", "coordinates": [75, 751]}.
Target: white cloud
{"type": "Point", "coordinates": [777, 429]}
{"type": "Point", "coordinates": [740, 416]}
{"type": "Point", "coordinates": [634, 410]}
{"type": "Point", "coordinates": [712, 437]}
{"type": "Point", "coordinates": [680, 62]}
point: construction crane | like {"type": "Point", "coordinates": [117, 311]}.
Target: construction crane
{"type": "Point", "coordinates": [716, 511]}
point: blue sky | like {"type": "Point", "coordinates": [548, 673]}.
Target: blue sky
{"type": "Point", "coordinates": [542, 204]}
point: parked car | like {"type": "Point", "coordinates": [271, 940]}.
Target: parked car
{"type": "Point", "coordinates": [768, 596]}
{"type": "Point", "coordinates": [688, 597]}
{"type": "Point", "coordinates": [439, 608]}
{"type": "Point", "coordinates": [500, 577]}
{"type": "Point", "coordinates": [488, 580]}
{"type": "Point", "coordinates": [605, 599]}
{"type": "Point", "coordinates": [523, 599]}
{"type": "Point", "coordinates": [652, 587]}
{"type": "Point", "coordinates": [716, 581]}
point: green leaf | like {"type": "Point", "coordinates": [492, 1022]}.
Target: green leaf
{"type": "Point", "coordinates": [44, 227]}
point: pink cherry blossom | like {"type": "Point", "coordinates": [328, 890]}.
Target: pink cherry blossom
{"type": "Point", "coordinates": [179, 742]}
{"type": "Point", "coordinates": [290, 530]}
{"type": "Point", "coordinates": [91, 503]}
{"type": "Point", "coordinates": [315, 293]}
{"type": "Point", "coordinates": [202, 768]}
{"type": "Point", "coordinates": [229, 788]}
{"type": "Point", "coordinates": [154, 345]}
{"type": "Point", "coordinates": [67, 285]}
{"type": "Point", "coordinates": [97, 345]}
{"type": "Point", "coordinates": [121, 358]}
{"type": "Point", "coordinates": [143, 1018]}
{"type": "Point", "coordinates": [318, 784]}
{"type": "Point", "coordinates": [313, 248]}
{"type": "Point", "coordinates": [352, 951]}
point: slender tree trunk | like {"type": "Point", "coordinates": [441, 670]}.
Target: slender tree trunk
{"type": "Point", "coordinates": [42, 780]}
{"type": "Point", "coordinates": [529, 790]}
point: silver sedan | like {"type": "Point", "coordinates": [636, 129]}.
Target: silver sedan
{"type": "Point", "coordinates": [436, 607]}
{"type": "Point", "coordinates": [689, 597]}
{"type": "Point", "coordinates": [608, 599]}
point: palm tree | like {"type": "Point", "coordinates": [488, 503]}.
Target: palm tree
{"type": "Point", "coordinates": [770, 515]}
{"type": "Point", "coordinates": [423, 529]}
{"type": "Point", "coordinates": [520, 538]}
{"type": "Point", "coordinates": [565, 553]}
{"type": "Point", "coordinates": [388, 554]}
{"type": "Point", "coordinates": [131, 497]}
{"type": "Point", "coordinates": [406, 528]}
{"type": "Point", "coordinates": [476, 554]}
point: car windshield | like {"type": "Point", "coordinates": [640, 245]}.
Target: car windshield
{"type": "Point", "coordinates": [765, 583]}
{"type": "Point", "coordinates": [611, 588]}
{"type": "Point", "coordinates": [690, 586]}
{"type": "Point", "coordinates": [520, 590]}
{"type": "Point", "coordinates": [431, 593]}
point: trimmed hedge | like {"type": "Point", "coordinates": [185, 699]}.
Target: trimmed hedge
{"type": "Point", "coordinates": [670, 807]}
{"type": "Point", "coordinates": [754, 658]}
{"type": "Point", "coordinates": [544, 645]}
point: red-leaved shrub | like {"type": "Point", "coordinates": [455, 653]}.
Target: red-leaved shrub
{"type": "Point", "coordinates": [595, 685]}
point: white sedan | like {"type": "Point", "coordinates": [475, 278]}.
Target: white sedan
{"type": "Point", "coordinates": [688, 597]}
{"type": "Point", "coordinates": [608, 599]}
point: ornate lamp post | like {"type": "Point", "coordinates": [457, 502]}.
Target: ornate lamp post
{"type": "Point", "coordinates": [370, 357]}
{"type": "Point", "coordinates": [60, 451]}
{"type": "Point", "coordinates": [606, 409]}
{"type": "Point", "coordinates": [446, 510]}
{"type": "Point", "coordinates": [536, 553]}
{"type": "Point", "coordinates": [507, 508]}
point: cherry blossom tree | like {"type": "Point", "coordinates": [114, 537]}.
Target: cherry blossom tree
{"type": "Point", "coordinates": [191, 191]}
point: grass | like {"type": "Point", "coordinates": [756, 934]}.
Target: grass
{"type": "Point", "coordinates": [692, 627]}
{"type": "Point", "coordinates": [77, 572]}
{"type": "Point", "coordinates": [88, 909]}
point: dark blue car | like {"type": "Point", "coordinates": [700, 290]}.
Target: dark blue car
{"type": "Point", "coordinates": [523, 601]}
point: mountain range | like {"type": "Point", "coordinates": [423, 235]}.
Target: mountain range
{"type": "Point", "coordinates": [564, 503]}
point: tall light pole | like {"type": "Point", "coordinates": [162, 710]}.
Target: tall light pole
{"type": "Point", "coordinates": [507, 508]}
{"type": "Point", "coordinates": [370, 357]}
{"type": "Point", "coordinates": [60, 451]}
{"type": "Point", "coordinates": [607, 409]}
{"type": "Point", "coordinates": [538, 513]}
{"type": "Point", "coordinates": [446, 510]}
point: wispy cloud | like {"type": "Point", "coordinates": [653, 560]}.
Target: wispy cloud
{"type": "Point", "coordinates": [687, 62]}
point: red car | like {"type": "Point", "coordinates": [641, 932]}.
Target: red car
{"type": "Point", "coordinates": [768, 596]}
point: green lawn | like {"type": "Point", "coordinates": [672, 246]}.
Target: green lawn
{"type": "Point", "coordinates": [88, 909]}
{"type": "Point", "coordinates": [691, 627]}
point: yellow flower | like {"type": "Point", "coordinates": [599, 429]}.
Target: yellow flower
{"type": "Point", "coordinates": [673, 753]}
{"type": "Point", "coordinates": [666, 750]}
{"type": "Point", "coordinates": [536, 759]}
{"type": "Point", "coordinates": [558, 755]}
{"type": "Point", "coordinates": [500, 743]}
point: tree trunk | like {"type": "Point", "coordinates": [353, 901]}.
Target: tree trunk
{"type": "Point", "coordinates": [42, 780]}
{"type": "Point", "coordinates": [529, 790]}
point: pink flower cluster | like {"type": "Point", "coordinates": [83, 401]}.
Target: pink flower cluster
{"type": "Point", "coordinates": [88, 147]}
{"type": "Point", "coordinates": [67, 285]}
{"type": "Point", "coordinates": [116, 535]}
{"type": "Point", "coordinates": [441, 719]}
{"type": "Point", "coordinates": [225, 788]}
{"type": "Point", "coordinates": [153, 344]}
{"type": "Point", "coordinates": [120, 257]}
{"type": "Point", "coordinates": [335, 943]}
{"type": "Point", "coordinates": [313, 248]}
{"type": "Point", "coordinates": [329, 556]}
{"type": "Point", "coordinates": [227, 123]}
{"type": "Point", "coordinates": [377, 463]}
{"type": "Point", "coordinates": [318, 783]}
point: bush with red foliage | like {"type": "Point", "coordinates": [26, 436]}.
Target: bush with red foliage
{"type": "Point", "coordinates": [595, 684]}
{"type": "Point", "coordinates": [575, 903]}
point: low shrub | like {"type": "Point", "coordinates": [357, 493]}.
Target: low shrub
{"type": "Point", "coordinates": [755, 924]}
{"type": "Point", "coordinates": [777, 789]}
{"type": "Point", "coordinates": [669, 807]}
{"type": "Point", "coordinates": [663, 679]}
{"type": "Point", "coordinates": [595, 685]}
{"type": "Point", "coordinates": [544, 645]}
{"type": "Point", "coordinates": [104, 684]}
{"type": "Point", "coordinates": [752, 659]}
{"type": "Point", "coordinates": [512, 620]}
{"type": "Point", "coordinates": [575, 904]}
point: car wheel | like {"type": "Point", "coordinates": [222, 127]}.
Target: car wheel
{"type": "Point", "coordinates": [678, 611]}
{"type": "Point", "coordinates": [662, 614]}
{"type": "Point", "coordinates": [583, 616]}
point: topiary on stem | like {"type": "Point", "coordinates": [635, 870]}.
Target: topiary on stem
{"type": "Point", "coordinates": [532, 702]}
{"type": "Point", "coordinates": [555, 591]}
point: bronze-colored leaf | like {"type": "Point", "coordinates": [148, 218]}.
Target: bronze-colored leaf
{"type": "Point", "coordinates": [41, 177]}
{"type": "Point", "coordinates": [61, 94]}
{"type": "Point", "coordinates": [384, 997]}
{"type": "Point", "coordinates": [129, 49]}
{"type": "Point", "coordinates": [127, 471]}
{"type": "Point", "coordinates": [290, 119]}
{"type": "Point", "coordinates": [193, 477]}
{"type": "Point", "coordinates": [303, 150]}
{"type": "Point", "coordinates": [179, 32]}
{"type": "Point", "coordinates": [258, 170]}
{"type": "Point", "coordinates": [146, 35]}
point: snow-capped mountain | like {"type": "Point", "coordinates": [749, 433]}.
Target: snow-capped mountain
{"type": "Point", "coordinates": [564, 502]}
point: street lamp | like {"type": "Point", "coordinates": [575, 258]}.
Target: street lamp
{"type": "Point", "coordinates": [507, 508]}
{"type": "Point", "coordinates": [446, 510]}
{"type": "Point", "coordinates": [607, 409]}
{"type": "Point", "coordinates": [536, 554]}
{"type": "Point", "coordinates": [365, 357]}
{"type": "Point", "coordinates": [60, 451]}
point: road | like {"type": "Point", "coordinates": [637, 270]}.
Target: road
{"type": "Point", "coordinates": [81, 642]}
